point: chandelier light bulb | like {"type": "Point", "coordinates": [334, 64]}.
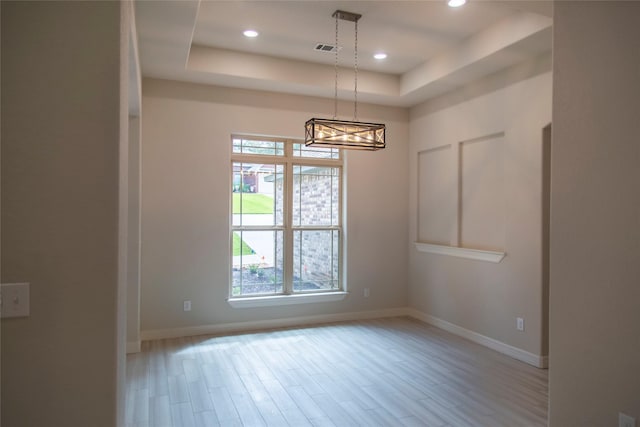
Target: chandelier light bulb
{"type": "Point", "coordinates": [456, 3]}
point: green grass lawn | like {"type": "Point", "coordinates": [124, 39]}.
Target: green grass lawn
{"type": "Point", "coordinates": [240, 247]}
{"type": "Point", "coordinates": [252, 203]}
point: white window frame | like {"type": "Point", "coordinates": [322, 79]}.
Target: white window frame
{"type": "Point", "coordinates": [288, 161]}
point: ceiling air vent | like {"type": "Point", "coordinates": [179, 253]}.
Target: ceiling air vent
{"type": "Point", "coordinates": [323, 47]}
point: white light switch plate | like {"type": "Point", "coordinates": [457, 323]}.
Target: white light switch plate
{"type": "Point", "coordinates": [625, 420]}
{"type": "Point", "coordinates": [15, 300]}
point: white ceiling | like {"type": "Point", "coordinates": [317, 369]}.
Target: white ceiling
{"type": "Point", "coordinates": [431, 48]}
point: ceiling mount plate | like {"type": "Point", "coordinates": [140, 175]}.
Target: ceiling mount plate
{"type": "Point", "coordinates": [347, 16]}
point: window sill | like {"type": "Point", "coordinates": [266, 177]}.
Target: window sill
{"type": "Point", "coordinates": [277, 300]}
{"type": "Point", "coordinates": [477, 254]}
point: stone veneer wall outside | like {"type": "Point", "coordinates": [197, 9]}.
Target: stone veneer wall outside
{"type": "Point", "coordinates": [319, 207]}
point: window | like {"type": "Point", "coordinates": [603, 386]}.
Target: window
{"type": "Point", "coordinates": [286, 228]}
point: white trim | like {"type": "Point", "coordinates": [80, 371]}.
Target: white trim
{"type": "Point", "coordinates": [519, 354]}
{"type": "Point", "coordinates": [477, 254]}
{"type": "Point", "coordinates": [133, 347]}
{"type": "Point", "coordinates": [277, 300]}
{"type": "Point", "coordinates": [155, 334]}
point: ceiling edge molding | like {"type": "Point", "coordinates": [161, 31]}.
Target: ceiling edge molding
{"type": "Point", "coordinates": [497, 38]}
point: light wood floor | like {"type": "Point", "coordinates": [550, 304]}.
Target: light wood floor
{"type": "Point", "coordinates": [391, 372]}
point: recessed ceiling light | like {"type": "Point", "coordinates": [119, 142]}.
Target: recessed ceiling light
{"type": "Point", "coordinates": [250, 33]}
{"type": "Point", "coordinates": [456, 3]}
{"type": "Point", "coordinates": [380, 55]}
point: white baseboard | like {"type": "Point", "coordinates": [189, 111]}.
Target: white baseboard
{"type": "Point", "coordinates": [133, 347]}
{"type": "Point", "coordinates": [155, 334]}
{"type": "Point", "coordinates": [517, 353]}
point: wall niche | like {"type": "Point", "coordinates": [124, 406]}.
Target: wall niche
{"type": "Point", "coordinates": [461, 199]}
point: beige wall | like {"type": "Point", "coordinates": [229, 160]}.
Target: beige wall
{"type": "Point", "coordinates": [185, 203]}
{"type": "Point", "coordinates": [483, 189]}
{"type": "Point", "coordinates": [595, 214]}
{"type": "Point", "coordinates": [61, 127]}
{"type": "Point", "coordinates": [133, 249]}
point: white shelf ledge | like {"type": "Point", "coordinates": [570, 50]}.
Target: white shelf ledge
{"type": "Point", "coordinates": [276, 300]}
{"type": "Point", "coordinates": [477, 254]}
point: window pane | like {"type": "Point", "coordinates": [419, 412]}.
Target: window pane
{"type": "Point", "coordinates": [315, 260]}
{"type": "Point", "coordinates": [316, 193]}
{"type": "Point", "coordinates": [257, 193]}
{"type": "Point", "coordinates": [265, 148]}
{"type": "Point", "coordinates": [258, 263]}
{"type": "Point", "coordinates": [260, 223]}
{"type": "Point", "coordinates": [301, 150]}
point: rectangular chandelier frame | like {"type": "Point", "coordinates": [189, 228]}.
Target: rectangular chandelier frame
{"type": "Point", "coordinates": [344, 134]}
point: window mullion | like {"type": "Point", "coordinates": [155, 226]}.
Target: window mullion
{"type": "Point", "coordinates": [288, 221]}
{"type": "Point", "coordinates": [341, 226]}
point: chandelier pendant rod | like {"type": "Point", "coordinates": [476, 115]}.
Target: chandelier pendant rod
{"type": "Point", "coordinates": [335, 97]}
{"type": "Point", "coordinates": [355, 67]}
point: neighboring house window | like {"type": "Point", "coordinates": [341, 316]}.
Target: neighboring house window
{"type": "Point", "coordinates": [286, 229]}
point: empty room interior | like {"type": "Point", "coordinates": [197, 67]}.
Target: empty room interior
{"type": "Point", "coordinates": [320, 213]}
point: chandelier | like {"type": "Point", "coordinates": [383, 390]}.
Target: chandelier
{"type": "Point", "coordinates": [342, 133]}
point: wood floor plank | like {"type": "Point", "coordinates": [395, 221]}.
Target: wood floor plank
{"type": "Point", "coordinates": [385, 418]}
{"type": "Point", "coordinates": [247, 410]}
{"type": "Point", "coordinates": [141, 406]}
{"type": "Point", "coordinates": [224, 408]}
{"type": "Point", "coordinates": [263, 400]}
{"type": "Point", "coordinates": [411, 422]}
{"type": "Point", "coordinates": [296, 418]}
{"type": "Point", "coordinates": [160, 411]}
{"type": "Point", "coordinates": [308, 407]}
{"type": "Point", "coordinates": [178, 390]}
{"type": "Point", "coordinates": [307, 382]}
{"type": "Point", "coordinates": [206, 419]}
{"type": "Point", "coordinates": [280, 396]}
{"type": "Point", "coordinates": [362, 416]}
{"type": "Point", "coordinates": [335, 412]}
{"type": "Point", "coordinates": [337, 389]}
{"type": "Point", "coordinates": [270, 413]}
{"type": "Point", "coordinates": [450, 416]}
{"type": "Point", "coordinates": [388, 400]}
{"type": "Point", "coordinates": [323, 422]}
{"type": "Point", "coordinates": [381, 372]}
{"type": "Point", "coordinates": [182, 415]}
{"type": "Point", "coordinates": [199, 396]}
{"type": "Point", "coordinates": [192, 371]}
{"type": "Point", "coordinates": [286, 377]}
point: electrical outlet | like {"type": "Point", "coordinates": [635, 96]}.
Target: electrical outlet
{"type": "Point", "coordinates": [520, 323]}
{"type": "Point", "coordinates": [14, 300]}
{"type": "Point", "coordinates": [366, 292]}
{"type": "Point", "coordinates": [625, 420]}
{"type": "Point", "coordinates": [186, 305]}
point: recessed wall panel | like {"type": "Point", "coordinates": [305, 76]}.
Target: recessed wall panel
{"type": "Point", "coordinates": [437, 195]}
{"type": "Point", "coordinates": [482, 193]}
